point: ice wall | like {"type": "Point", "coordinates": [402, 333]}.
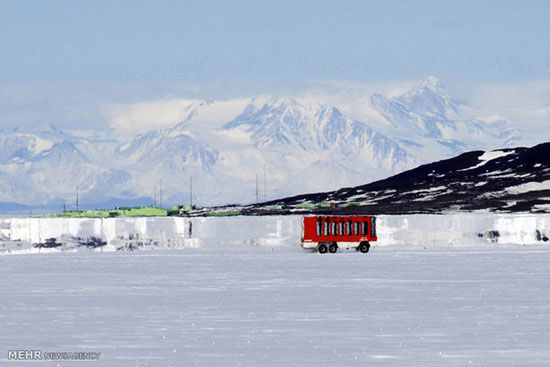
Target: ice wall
{"type": "Point", "coordinates": [157, 231]}
{"type": "Point", "coordinates": [277, 231]}
{"type": "Point", "coordinates": [37, 230]}
{"type": "Point", "coordinates": [463, 229]}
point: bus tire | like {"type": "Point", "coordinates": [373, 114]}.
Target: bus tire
{"type": "Point", "coordinates": [364, 247]}
{"type": "Point", "coordinates": [322, 248]}
{"type": "Point", "coordinates": [332, 248]}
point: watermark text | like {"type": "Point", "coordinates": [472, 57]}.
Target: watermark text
{"type": "Point", "coordinates": [38, 355]}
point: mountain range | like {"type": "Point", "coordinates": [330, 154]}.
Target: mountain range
{"type": "Point", "coordinates": [285, 144]}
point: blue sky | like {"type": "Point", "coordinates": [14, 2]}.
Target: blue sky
{"type": "Point", "coordinates": [62, 62]}
{"type": "Point", "coordinates": [201, 41]}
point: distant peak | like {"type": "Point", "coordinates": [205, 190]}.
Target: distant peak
{"type": "Point", "coordinates": [53, 127]}
{"type": "Point", "coordinates": [283, 101]}
{"type": "Point", "coordinates": [430, 85]}
{"type": "Point", "coordinates": [431, 82]}
{"type": "Point", "coordinates": [65, 144]}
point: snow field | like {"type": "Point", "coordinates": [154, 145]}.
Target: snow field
{"type": "Point", "coordinates": [241, 292]}
{"type": "Point", "coordinates": [396, 306]}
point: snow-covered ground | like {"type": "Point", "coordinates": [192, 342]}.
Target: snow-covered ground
{"type": "Point", "coordinates": [240, 291]}
{"type": "Point", "coordinates": [258, 306]}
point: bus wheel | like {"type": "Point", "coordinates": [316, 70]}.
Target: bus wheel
{"type": "Point", "coordinates": [364, 247]}
{"type": "Point", "coordinates": [322, 248]}
{"type": "Point", "coordinates": [332, 248]}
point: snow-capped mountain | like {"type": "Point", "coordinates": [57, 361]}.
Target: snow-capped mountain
{"type": "Point", "coordinates": [298, 145]}
{"type": "Point", "coordinates": [429, 116]}
{"type": "Point", "coordinates": [172, 149]}
{"type": "Point", "coordinates": [62, 153]}
{"type": "Point", "coordinates": [430, 97]}
{"type": "Point", "coordinates": [287, 125]}
{"type": "Point", "coordinates": [21, 146]}
{"type": "Point", "coordinates": [41, 171]}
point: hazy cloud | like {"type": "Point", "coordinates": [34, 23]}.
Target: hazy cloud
{"type": "Point", "coordinates": [138, 118]}
{"type": "Point", "coordinates": [135, 108]}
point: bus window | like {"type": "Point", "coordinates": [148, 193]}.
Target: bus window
{"type": "Point", "coordinates": [356, 228]}
{"type": "Point", "coordinates": [348, 228]}
{"type": "Point", "coordinates": [319, 226]}
{"type": "Point", "coordinates": [341, 225]}
{"type": "Point", "coordinates": [365, 228]}
{"type": "Point", "coordinates": [334, 228]}
{"type": "Point", "coordinates": [373, 226]}
{"type": "Point", "coordinates": [326, 227]}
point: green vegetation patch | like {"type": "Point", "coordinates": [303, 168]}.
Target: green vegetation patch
{"type": "Point", "coordinates": [225, 214]}
{"type": "Point", "coordinates": [305, 206]}
{"type": "Point", "coordinates": [117, 212]}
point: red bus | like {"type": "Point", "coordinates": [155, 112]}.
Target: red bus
{"type": "Point", "coordinates": [329, 233]}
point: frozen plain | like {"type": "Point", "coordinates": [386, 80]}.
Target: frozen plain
{"type": "Point", "coordinates": [435, 302]}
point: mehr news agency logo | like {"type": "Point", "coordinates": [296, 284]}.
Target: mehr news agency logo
{"type": "Point", "coordinates": [38, 355]}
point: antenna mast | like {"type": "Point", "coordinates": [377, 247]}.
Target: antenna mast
{"type": "Point", "coordinates": [77, 197]}
{"type": "Point", "coordinates": [257, 188]}
{"type": "Point", "coordinates": [190, 191]}
{"type": "Point", "coordinates": [161, 192]}
{"type": "Point", "coordinates": [265, 186]}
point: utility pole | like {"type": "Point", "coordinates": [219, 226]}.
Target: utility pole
{"type": "Point", "coordinates": [190, 191]}
{"type": "Point", "coordinates": [265, 186]}
{"type": "Point", "coordinates": [155, 196]}
{"type": "Point", "coordinates": [257, 188]}
{"type": "Point", "coordinates": [77, 197]}
{"type": "Point", "coordinates": [161, 192]}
